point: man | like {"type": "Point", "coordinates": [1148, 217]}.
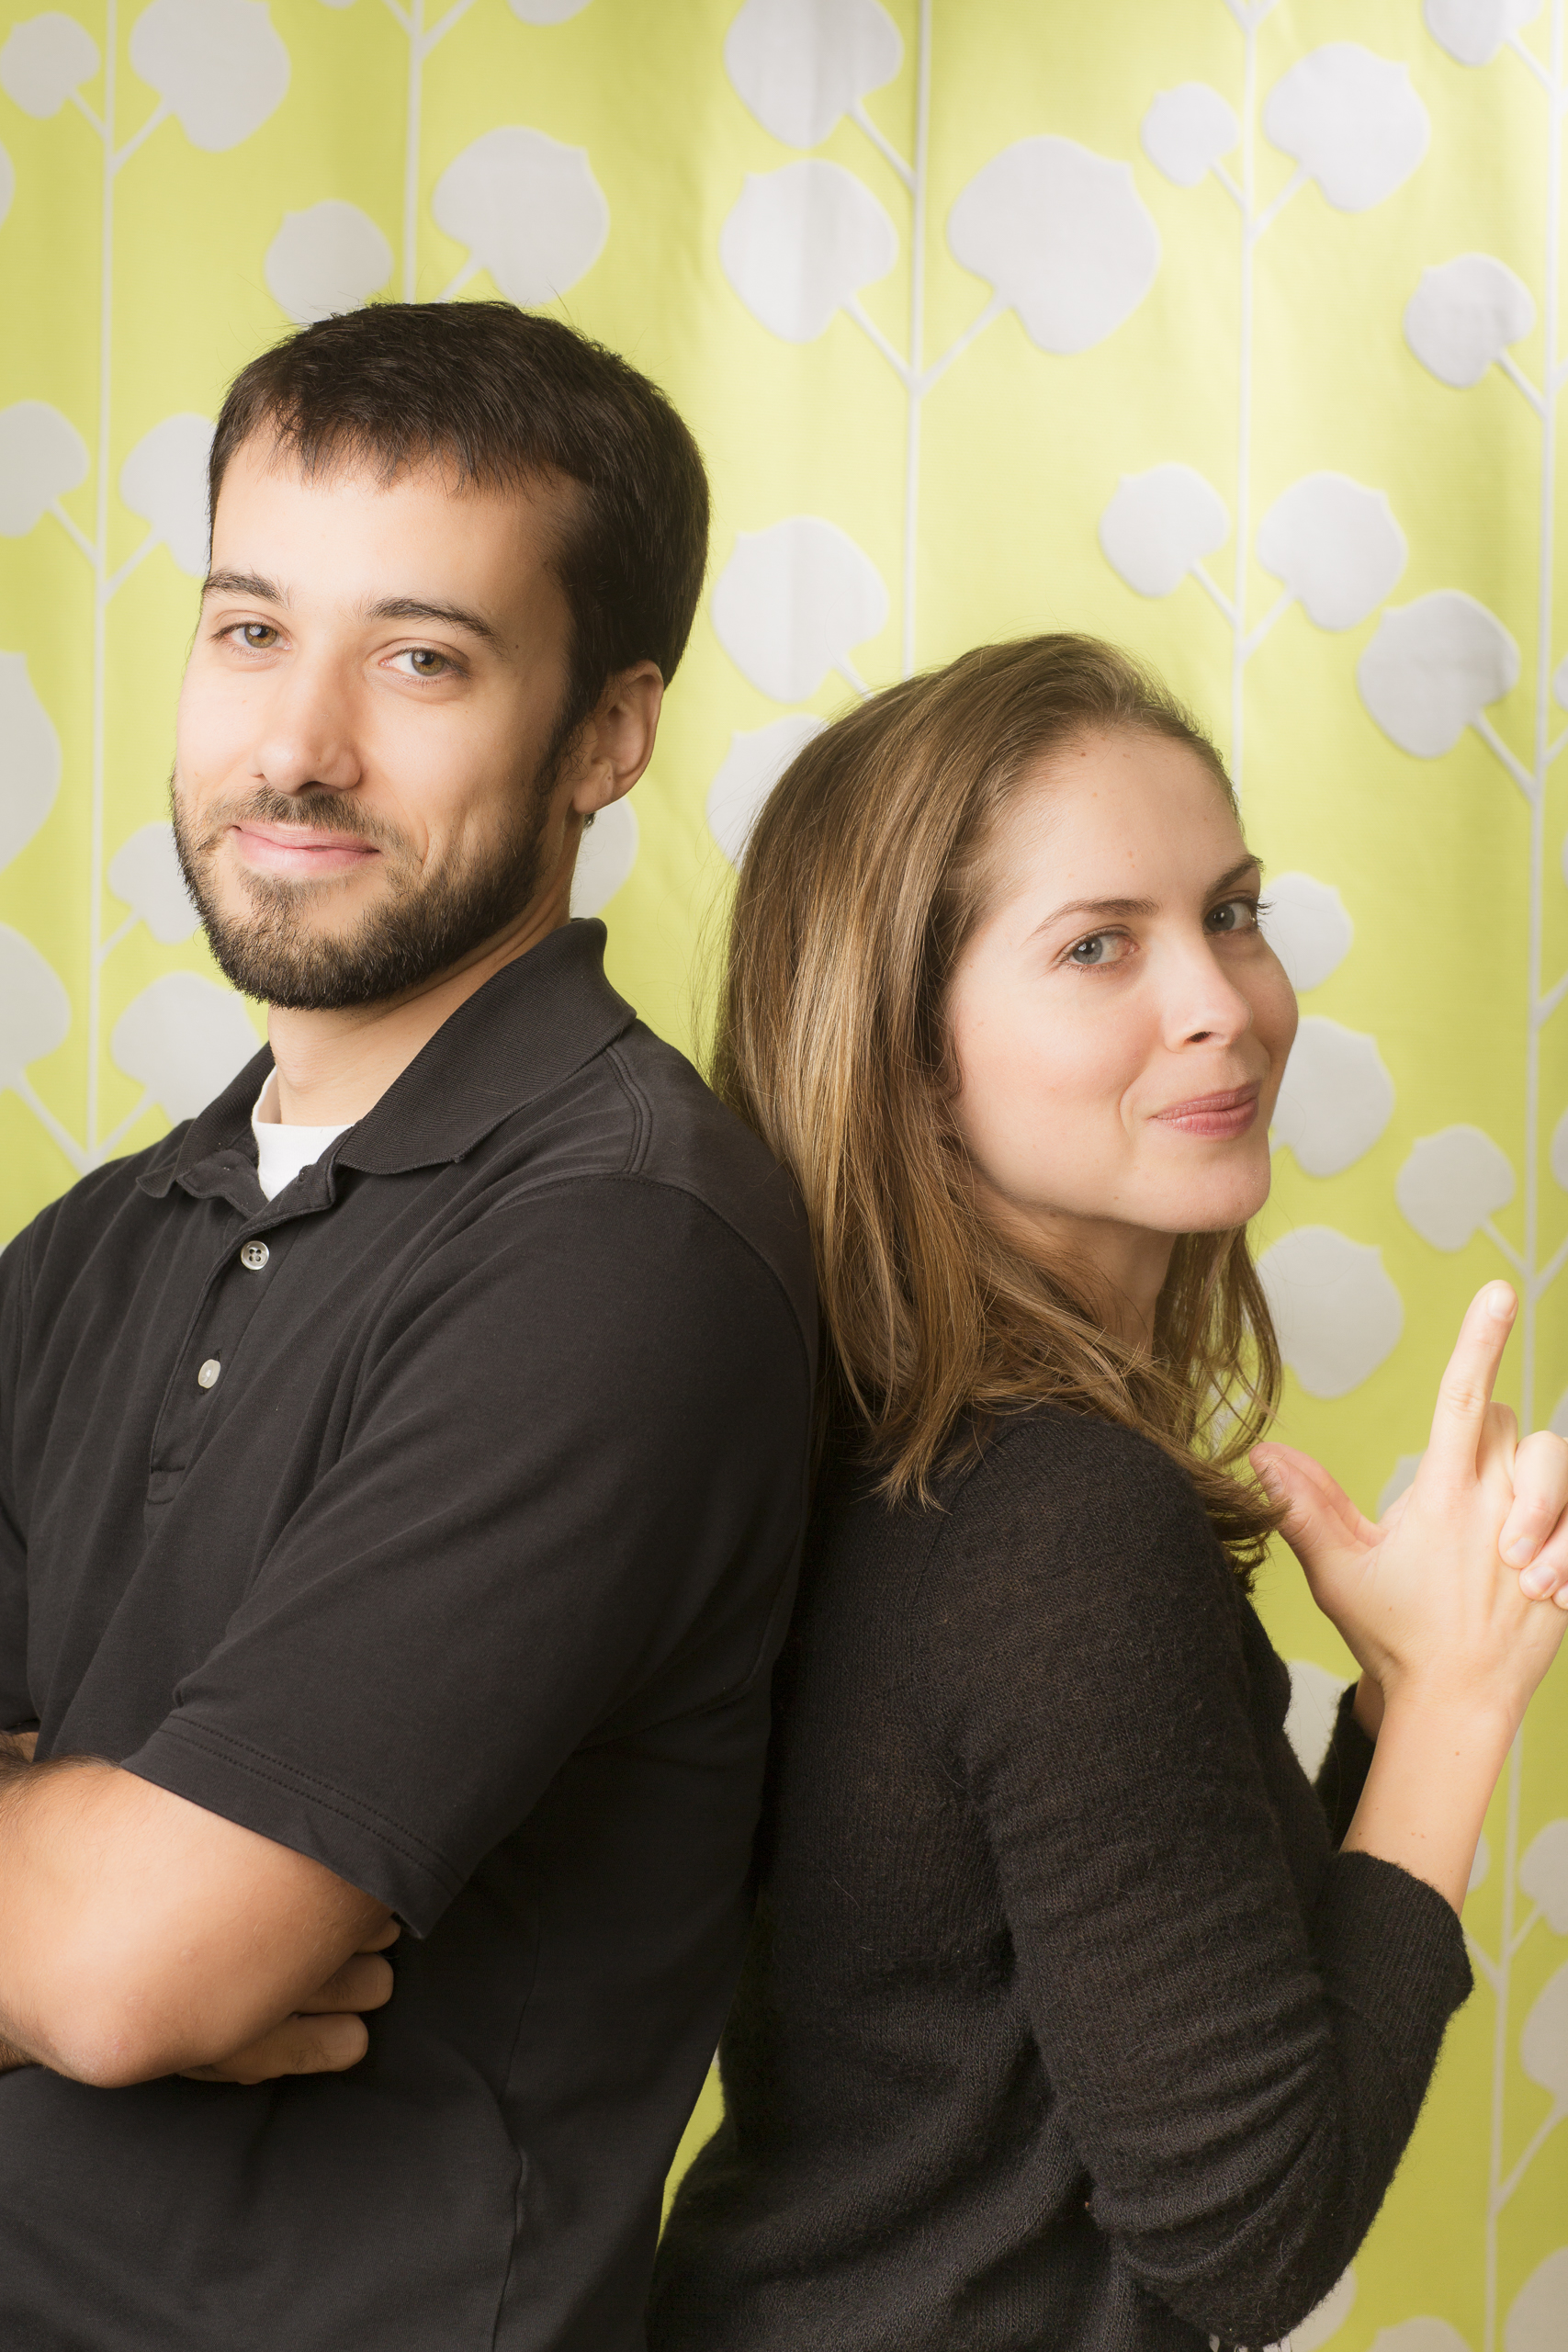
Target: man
{"type": "Point", "coordinates": [401, 1466]}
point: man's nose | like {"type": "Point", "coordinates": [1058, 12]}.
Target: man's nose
{"type": "Point", "coordinates": [307, 739]}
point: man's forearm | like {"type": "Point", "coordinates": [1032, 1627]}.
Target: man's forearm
{"type": "Point", "coordinates": [141, 1935]}
{"type": "Point", "coordinates": [16, 1754]}
{"type": "Point", "coordinates": [16, 1748]}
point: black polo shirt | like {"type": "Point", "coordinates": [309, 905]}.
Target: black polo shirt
{"type": "Point", "coordinates": [464, 1573]}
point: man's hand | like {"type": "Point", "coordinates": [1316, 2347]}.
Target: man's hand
{"type": "Point", "coordinates": [325, 2035]}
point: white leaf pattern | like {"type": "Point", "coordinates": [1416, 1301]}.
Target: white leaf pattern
{"type": "Point", "coordinates": [183, 1039]}
{"type": "Point", "coordinates": [756, 759]}
{"type": "Point", "coordinates": [1338, 1313]}
{"type": "Point", "coordinates": [801, 65]}
{"type": "Point", "coordinates": [35, 1012]}
{"type": "Point", "coordinates": [29, 759]}
{"type": "Point", "coordinates": [1432, 668]}
{"type": "Point", "coordinates": [800, 243]}
{"type": "Point", "coordinates": [45, 61]}
{"type": "Point", "coordinates": [1062, 236]}
{"type": "Point", "coordinates": [219, 65]}
{"type": "Point", "coordinates": [1352, 122]}
{"type": "Point", "coordinates": [528, 209]}
{"type": "Point", "coordinates": [793, 603]}
{"type": "Point", "coordinates": [1159, 525]}
{"type": "Point", "coordinates": [1451, 1184]}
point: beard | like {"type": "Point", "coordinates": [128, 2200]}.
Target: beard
{"type": "Point", "coordinates": [423, 924]}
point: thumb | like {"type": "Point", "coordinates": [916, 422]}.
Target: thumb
{"type": "Point", "coordinates": [1319, 1522]}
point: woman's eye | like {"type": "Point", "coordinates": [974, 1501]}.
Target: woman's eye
{"type": "Point", "coordinates": [259, 635]}
{"type": "Point", "coordinates": [423, 661]}
{"type": "Point", "coordinates": [1236, 914]}
{"type": "Point", "coordinates": [1102, 947]}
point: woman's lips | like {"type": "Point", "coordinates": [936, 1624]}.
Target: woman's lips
{"type": "Point", "coordinates": [1219, 1115]}
{"type": "Point", "coordinates": [300, 849]}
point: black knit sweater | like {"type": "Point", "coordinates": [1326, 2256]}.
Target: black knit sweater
{"type": "Point", "coordinates": [1063, 2023]}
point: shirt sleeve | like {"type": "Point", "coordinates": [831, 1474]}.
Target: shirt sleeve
{"type": "Point", "coordinates": [568, 1499]}
{"type": "Point", "coordinates": [1239, 2049]}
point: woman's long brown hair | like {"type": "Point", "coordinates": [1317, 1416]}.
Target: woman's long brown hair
{"type": "Point", "coordinates": [863, 879]}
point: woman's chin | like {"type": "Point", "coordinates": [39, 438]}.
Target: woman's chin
{"type": "Point", "coordinates": [1219, 1207]}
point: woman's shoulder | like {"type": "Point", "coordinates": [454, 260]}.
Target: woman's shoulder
{"type": "Point", "coordinates": [1043, 1495]}
{"type": "Point", "coordinates": [1073, 1468]}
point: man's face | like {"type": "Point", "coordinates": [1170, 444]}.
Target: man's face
{"type": "Point", "coordinates": [367, 739]}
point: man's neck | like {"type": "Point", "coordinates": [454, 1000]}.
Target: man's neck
{"type": "Point", "coordinates": [334, 1067]}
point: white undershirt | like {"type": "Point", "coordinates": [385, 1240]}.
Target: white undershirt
{"type": "Point", "coordinates": [282, 1151]}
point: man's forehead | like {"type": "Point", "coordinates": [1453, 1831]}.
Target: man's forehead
{"type": "Point", "coordinates": [420, 544]}
{"type": "Point", "coordinates": [335, 469]}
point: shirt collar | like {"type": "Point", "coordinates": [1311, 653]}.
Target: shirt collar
{"type": "Point", "coordinates": [540, 1018]}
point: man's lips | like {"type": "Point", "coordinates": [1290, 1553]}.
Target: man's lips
{"type": "Point", "coordinates": [301, 850]}
{"type": "Point", "coordinates": [1230, 1113]}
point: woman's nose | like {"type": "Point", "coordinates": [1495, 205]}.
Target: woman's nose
{"type": "Point", "coordinates": [1203, 1003]}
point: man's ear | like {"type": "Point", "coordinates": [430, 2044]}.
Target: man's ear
{"type": "Point", "coordinates": [617, 742]}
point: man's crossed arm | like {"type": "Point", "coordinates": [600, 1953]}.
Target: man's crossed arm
{"type": "Point", "coordinates": [141, 1935]}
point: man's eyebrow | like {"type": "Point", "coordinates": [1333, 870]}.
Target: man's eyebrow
{"type": "Point", "coordinates": [252, 586]}
{"type": "Point", "coordinates": [243, 583]}
{"type": "Point", "coordinates": [1108, 910]}
{"type": "Point", "coordinates": [414, 608]}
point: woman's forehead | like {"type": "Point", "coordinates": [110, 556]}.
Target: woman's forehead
{"type": "Point", "coordinates": [1118, 802]}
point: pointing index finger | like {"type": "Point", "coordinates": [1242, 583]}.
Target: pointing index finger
{"type": "Point", "coordinates": [1465, 1390]}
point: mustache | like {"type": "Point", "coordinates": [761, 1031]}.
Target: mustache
{"type": "Point", "coordinates": [323, 811]}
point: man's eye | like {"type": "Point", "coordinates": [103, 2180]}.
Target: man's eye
{"type": "Point", "coordinates": [423, 661]}
{"type": "Point", "coordinates": [1236, 914]}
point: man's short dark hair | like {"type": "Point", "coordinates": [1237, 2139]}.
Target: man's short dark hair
{"type": "Point", "coordinates": [504, 396]}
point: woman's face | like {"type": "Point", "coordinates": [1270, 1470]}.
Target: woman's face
{"type": "Point", "coordinates": [1120, 1023]}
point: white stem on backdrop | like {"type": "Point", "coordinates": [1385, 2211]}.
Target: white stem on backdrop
{"type": "Point", "coordinates": [101, 590]}
{"type": "Point", "coordinates": [1254, 226]}
{"type": "Point", "coordinates": [411, 148]}
{"type": "Point", "coordinates": [883, 144]}
{"type": "Point", "coordinates": [421, 41]}
{"type": "Point", "coordinates": [916, 390]}
{"type": "Point", "coordinates": [1243, 399]}
{"type": "Point", "coordinates": [95, 1147]}
{"type": "Point", "coordinates": [1534, 1278]}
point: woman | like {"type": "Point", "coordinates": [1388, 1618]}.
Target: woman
{"type": "Point", "coordinates": [1063, 2023]}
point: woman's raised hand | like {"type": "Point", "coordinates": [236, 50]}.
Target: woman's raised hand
{"type": "Point", "coordinates": [1431, 1601]}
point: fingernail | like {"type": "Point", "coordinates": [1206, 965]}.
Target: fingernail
{"type": "Point", "coordinates": [1536, 1582]}
{"type": "Point", "coordinates": [1500, 1301]}
{"type": "Point", "coordinates": [1519, 1553]}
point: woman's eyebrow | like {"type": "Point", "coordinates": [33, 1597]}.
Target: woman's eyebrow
{"type": "Point", "coordinates": [1109, 909]}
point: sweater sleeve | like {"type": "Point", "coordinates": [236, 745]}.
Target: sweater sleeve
{"type": "Point", "coordinates": [15, 1701]}
{"type": "Point", "coordinates": [1342, 1775]}
{"type": "Point", "coordinates": [1238, 2050]}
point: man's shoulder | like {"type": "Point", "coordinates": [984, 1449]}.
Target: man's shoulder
{"type": "Point", "coordinates": [93, 1202]}
{"type": "Point", "coordinates": [638, 1113]}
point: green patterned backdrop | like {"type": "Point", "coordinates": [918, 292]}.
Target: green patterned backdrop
{"type": "Point", "coordinates": [1229, 331]}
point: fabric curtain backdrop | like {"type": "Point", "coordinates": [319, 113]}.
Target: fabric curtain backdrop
{"type": "Point", "coordinates": [1229, 329]}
